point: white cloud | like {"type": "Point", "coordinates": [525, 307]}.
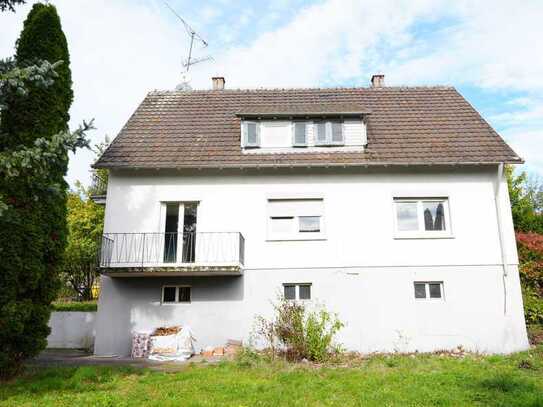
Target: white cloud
{"type": "Point", "coordinates": [122, 49]}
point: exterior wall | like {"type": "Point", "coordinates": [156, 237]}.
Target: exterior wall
{"type": "Point", "coordinates": [71, 330]}
{"type": "Point", "coordinates": [360, 270]}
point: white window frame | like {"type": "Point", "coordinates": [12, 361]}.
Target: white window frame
{"type": "Point", "coordinates": [297, 291]}
{"type": "Point", "coordinates": [245, 134]}
{"type": "Point", "coordinates": [296, 234]}
{"type": "Point", "coordinates": [427, 289]}
{"type": "Point", "coordinates": [421, 232]}
{"type": "Point", "coordinates": [328, 128]}
{"type": "Point", "coordinates": [177, 287]}
{"type": "Point", "coordinates": [293, 127]}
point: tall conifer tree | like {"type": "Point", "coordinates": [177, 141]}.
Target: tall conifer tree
{"type": "Point", "coordinates": [33, 228]}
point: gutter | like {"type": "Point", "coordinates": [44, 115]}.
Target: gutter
{"type": "Point", "coordinates": [368, 164]}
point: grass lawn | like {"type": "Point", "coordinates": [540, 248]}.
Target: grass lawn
{"type": "Point", "coordinates": [424, 380]}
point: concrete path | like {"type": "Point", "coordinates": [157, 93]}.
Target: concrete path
{"type": "Point", "coordinates": [75, 357]}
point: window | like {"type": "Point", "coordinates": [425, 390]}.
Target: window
{"type": "Point", "coordinates": [429, 290]}
{"type": "Point", "coordinates": [320, 130]}
{"type": "Point", "coordinates": [309, 224]}
{"type": "Point", "coordinates": [295, 219]}
{"type": "Point", "coordinates": [176, 294]}
{"type": "Point", "coordinates": [337, 133]}
{"type": "Point", "coordinates": [300, 134]}
{"type": "Point", "coordinates": [251, 132]}
{"type": "Point", "coordinates": [329, 133]}
{"type": "Point", "coordinates": [428, 217]}
{"type": "Point", "coordinates": [293, 291]}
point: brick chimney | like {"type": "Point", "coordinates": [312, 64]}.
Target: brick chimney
{"type": "Point", "coordinates": [378, 81]}
{"type": "Point", "coordinates": [218, 82]}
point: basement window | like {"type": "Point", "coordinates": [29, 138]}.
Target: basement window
{"type": "Point", "coordinates": [428, 290]}
{"type": "Point", "coordinates": [176, 294]}
{"type": "Point", "coordinates": [298, 291]}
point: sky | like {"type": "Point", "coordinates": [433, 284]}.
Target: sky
{"type": "Point", "coordinates": [490, 50]}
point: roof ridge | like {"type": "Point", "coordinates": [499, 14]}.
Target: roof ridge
{"type": "Point", "coordinates": [256, 90]}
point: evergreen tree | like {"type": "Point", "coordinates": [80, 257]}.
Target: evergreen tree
{"type": "Point", "coordinates": [33, 123]}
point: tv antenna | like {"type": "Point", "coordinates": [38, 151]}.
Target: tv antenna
{"type": "Point", "coordinates": [190, 60]}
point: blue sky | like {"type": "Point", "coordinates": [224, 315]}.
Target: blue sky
{"type": "Point", "coordinates": [491, 51]}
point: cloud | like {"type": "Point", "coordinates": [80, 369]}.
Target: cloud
{"type": "Point", "coordinates": [122, 49]}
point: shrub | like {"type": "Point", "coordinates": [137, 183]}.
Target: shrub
{"type": "Point", "coordinates": [300, 332]}
{"type": "Point", "coordinates": [530, 250]}
{"type": "Point", "coordinates": [82, 306]}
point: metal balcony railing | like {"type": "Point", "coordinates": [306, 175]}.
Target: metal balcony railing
{"type": "Point", "coordinates": [98, 186]}
{"type": "Point", "coordinates": [171, 249]}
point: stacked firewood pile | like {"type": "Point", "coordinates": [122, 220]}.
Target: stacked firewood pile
{"type": "Point", "coordinates": [165, 331]}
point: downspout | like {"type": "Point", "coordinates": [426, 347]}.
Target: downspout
{"type": "Point", "coordinates": [500, 234]}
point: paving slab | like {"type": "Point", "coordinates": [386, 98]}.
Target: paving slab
{"type": "Point", "coordinates": [80, 357]}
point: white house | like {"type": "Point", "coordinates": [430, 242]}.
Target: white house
{"type": "Point", "coordinates": [386, 204]}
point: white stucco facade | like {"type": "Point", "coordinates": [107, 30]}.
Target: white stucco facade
{"type": "Point", "coordinates": [359, 267]}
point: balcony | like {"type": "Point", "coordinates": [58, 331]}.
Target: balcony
{"type": "Point", "coordinates": [172, 254]}
{"type": "Point", "coordinates": [98, 189]}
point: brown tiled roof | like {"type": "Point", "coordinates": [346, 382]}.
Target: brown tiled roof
{"type": "Point", "coordinates": [313, 109]}
{"type": "Point", "coordinates": [199, 129]}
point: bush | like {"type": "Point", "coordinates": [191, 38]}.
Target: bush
{"type": "Point", "coordinates": [82, 306]}
{"type": "Point", "coordinates": [530, 250]}
{"type": "Point", "coordinates": [300, 332]}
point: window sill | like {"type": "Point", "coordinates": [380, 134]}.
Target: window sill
{"type": "Point", "coordinates": [418, 235]}
{"type": "Point", "coordinates": [296, 239]}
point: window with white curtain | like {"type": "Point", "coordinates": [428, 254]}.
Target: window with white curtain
{"type": "Point", "coordinates": [329, 133]}
{"type": "Point", "coordinates": [300, 134]}
{"type": "Point", "coordinates": [295, 219]}
{"type": "Point", "coordinates": [251, 134]}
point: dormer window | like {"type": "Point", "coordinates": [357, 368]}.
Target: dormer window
{"type": "Point", "coordinates": [300, 134]}
{"type": "Point", "coordinates": [277, 133]}
{"type": "Point", "coordinates": [329, 133]}
{"type": "Point", "coordinates": [251, 134]}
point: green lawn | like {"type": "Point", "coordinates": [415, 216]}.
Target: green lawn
{"type": "Point", "coordinates": [424, 380]}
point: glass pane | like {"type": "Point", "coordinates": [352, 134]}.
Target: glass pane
{"type": "Point", "coordinates": [407, 217]}
{"type": "Point", "coordinates": [310, 223]}
{"type": "Point", "coordinates": [251, 134]}
{"type": "Point", "coordinates": [305, 292]}
{"type": "Point", "coordinates": [320, 128]}
{"type": "Point", "coordinates": [435, 290]}
{"type": "Point", "coordinates": [184, 294]}
{"type": "Point", "coordinates": [299, 133]}
{"type": "Point", "coordinates": [282, 225]}
{"type": "Point", "coordinates": [169, 294]}
{"type": "Point", "coordinates": [420, 290]}
{"type": "Point", "coordinates": [170, 235]}
{"type": "Point", "coordinates": [337, 132]}
{"type": "Point", "coordinates": [290, 292]}
{"type": "Point", "coordinates": [434, 215]}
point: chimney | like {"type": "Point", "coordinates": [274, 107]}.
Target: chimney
{"type": "Point", "coordinates": [378, 81]}
{"type": "Point", "coordinates": [218, 82]}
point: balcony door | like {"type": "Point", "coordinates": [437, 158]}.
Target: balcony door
{"type": "Point", "coordinates": [180, 232]}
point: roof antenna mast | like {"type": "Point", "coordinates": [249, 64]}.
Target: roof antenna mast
{"type": "Point", "coordinates": [187, 63]}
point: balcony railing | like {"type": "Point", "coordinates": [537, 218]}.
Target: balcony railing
{"type": "Point", "coordinates": [171, 249]}
{"type": "Point", "coordinates": [98, 186]}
